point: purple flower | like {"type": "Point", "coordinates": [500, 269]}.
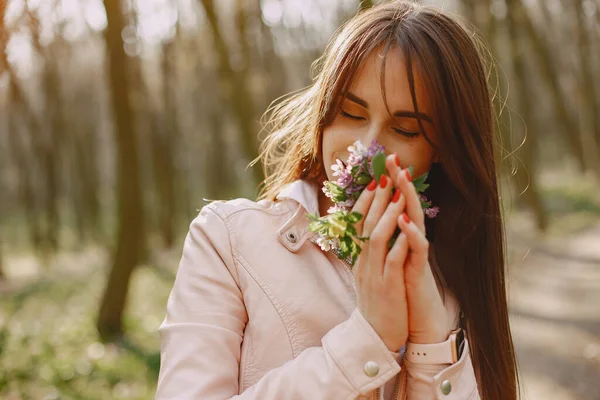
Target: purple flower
{"type": "Point", "coordinates": [375, 148]}
{"type": "Point", "coordinates": [355, 159]}
{"type": "Point", "coordinates": [432, 212]}
{"type": "Point", "coordinates": [344, 179]}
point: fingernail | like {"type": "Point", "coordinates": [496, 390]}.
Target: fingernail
{"type": "Point", "coordinates": [407, 172]}
{"type": "Point", "coordinates": [383, 181]}
{"type": "Point", "coordinates": [396, 196]}
{"type": "Point", "coordinates": [372, 185]}
{"type": "Point", "coordinates": [405, 218]}
{"type": "Point", "coordinates": [397, 160]}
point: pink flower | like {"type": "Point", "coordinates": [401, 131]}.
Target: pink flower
{"type": "Point", "coordinates": [432, 212]}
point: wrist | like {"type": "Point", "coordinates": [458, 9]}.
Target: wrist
{"type": "Point", "coordinates": [430, 336]}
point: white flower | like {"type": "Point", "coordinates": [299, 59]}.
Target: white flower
{"type": "Point", "coordinates": [324, 243]}
{"type": "Point", "coordinates": [328, 192]}
{"type": "Point", "coordinates": [327, 244]}
{"type": "Point", "coordinates": [358, 150]}
{"type": "Point", "coordinates": [334, 209]}
{"type": "Point", "coordinates": [338, 168]}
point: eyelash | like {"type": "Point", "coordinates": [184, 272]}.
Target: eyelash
{"type": "Point", "coordinates": [407, 134]}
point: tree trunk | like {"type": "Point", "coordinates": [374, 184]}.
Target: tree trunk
{"type": "Point", "coordinates": [272, 64]}
{"type": "Point", "coordinates": [167, 133]}
{"type": "Point", "coordinates": [21, 108]}
{"type": "Point", "coordinates": [130, 235]}
{"type": "Point", "coordinates": [48, 137]}
{"type": "Point", "coordinates": [234, 87]}
{"type": "Point", "coordinates": [526, 175]}
{"type": "Point", "coordinates": [550, 76]}
{"type": "Point", "coordinates": [589, 104]}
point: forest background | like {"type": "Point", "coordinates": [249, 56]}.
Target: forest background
{"type": "Point", "coordinates": [118, 118]}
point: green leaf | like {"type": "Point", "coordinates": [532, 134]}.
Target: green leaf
{"type": "Point", "coordinates": [364, 179]}
{"type": "Point", "coordinates": [420, 184]}
{"type": "Point", "coordinates": [339, 194]}
{"type": "Point", "coordinates": [378, 165]}
{"type": "Point", "coordinates": [354, 217]}
{"type": "Point", "coordinates": [425, 204]}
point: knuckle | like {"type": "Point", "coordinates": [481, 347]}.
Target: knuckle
{"type": "Point", "coordinates": [392, 259]}
{"type": "Point", "coordinates": [376, 238]}
{"type": "Point", "coordinates": [368, 226]}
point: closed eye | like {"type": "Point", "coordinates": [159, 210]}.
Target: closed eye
{"type": "Point", "coordinates": [407, 134]}
{"type": "Point", "coordinates": [402, 132]}
{"type": "Point", "coordinates": [350, 116]}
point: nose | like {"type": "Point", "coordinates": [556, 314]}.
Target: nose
{"type": "Point", "coordinates": [374, 132]}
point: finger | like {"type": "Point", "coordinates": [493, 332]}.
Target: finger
{"type": "Point", "coordinates": [395, 260]}
{"type": "Point", "coordinates": [403, 180]}
{"type": "Point", "coordinates": [418, 243]}
{"type": "Point", "coordinates": [362, 205]}
{"type": "Point", "coordinates": [380, 203]}
{"type": "Point", "coordinates": [393, 166]}
{"type": "Point", "coordinates": [384, 230]}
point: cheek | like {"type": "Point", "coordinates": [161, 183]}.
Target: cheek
{"type": "Point", "coordinates": [420, 156]}
{"type": "Point", "coordinates": [336, 141]}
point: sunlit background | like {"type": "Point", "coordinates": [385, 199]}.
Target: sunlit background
{"type": "Point", "coordinates": [119, 120]}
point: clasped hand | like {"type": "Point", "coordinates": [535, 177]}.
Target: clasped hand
{"type": "Point", "coordinates": [396, 289]}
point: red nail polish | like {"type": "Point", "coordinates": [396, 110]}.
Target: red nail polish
{"type": "Point", "coordinates": [396, 196]}
{"type": "Point", "coordinates": [405, 218]}
{"type": "Point", "coordinates": [408, 175]}
{"type": "Point", "coordinates": [397, 160]}
{"type": "Point", "coordinates": [383, 181]}
{"type": "Point", "coordinates": [372, 185]}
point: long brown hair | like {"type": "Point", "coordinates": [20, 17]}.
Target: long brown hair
{"type": "Point", "coordinates": [469, 234]}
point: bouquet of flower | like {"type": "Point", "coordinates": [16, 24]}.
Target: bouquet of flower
{"type": "Point", "coordinates": [336, 230]}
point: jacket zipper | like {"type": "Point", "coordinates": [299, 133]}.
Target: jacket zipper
{"type": "Point", "coordinates": [399, 392]}
{"type": "Point", "coordinates": [400, 386]}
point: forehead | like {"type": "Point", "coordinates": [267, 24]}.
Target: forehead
{"type": "Point", "coordinates": [367, 82]}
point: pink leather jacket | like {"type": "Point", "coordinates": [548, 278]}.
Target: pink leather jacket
{"type": "Point", "coordinates": [259, 311]}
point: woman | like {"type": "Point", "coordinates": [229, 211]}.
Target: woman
{"type": "Point", "coordinates": [259, 311]}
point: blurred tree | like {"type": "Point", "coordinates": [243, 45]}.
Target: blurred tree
{"type": "Point", "coordinates": [549, 74]}
{"type": "Point", "coordinates": [521, 98]}
{"type": "Point", "coordinates": [589, 105]}
{"type": "Point", "coordinates": [48, 139]}
{"type": "Point", "coordinates": [164, 138]}
{"type": "Point", "coordinates": [3, 62]}
{"type": "Point", "coordinates": [234, 87]}
{"type": "Point", "coordinates": [130, 235]}
{"type": "Point", "coordinates": [83, 169]}
{"type": "Point", "coordinates": [271, 62]}
{"type": "Point", "coordinates": [21, 142]}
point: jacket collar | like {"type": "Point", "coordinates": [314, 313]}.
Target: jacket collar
{"type": "Point", "coordinates": [303, 192]}
{"type": "Point", "coordinates": [294, 232]}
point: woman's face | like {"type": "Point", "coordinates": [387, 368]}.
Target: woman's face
{"type": "Point", "coordinates": [363, 116]}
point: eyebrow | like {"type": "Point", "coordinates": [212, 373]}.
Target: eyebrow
{"type": "Point", "coordinates": [400, 113]}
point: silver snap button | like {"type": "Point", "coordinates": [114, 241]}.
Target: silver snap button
{"type": "Point", "coordinates": [446, 387]}
{"type": "Point", "coordinates": [371, 369]}
{"type": "Point", "coordinates": [292, 237]}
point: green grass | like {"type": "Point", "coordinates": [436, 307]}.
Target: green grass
{"type": "Point", "coordinates": [49, 347]}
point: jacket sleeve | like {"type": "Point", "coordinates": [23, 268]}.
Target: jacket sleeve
{"type": "Point", "coordinates": [202, 334]}
{"type": "Point", "coordinates": [424, 381]}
